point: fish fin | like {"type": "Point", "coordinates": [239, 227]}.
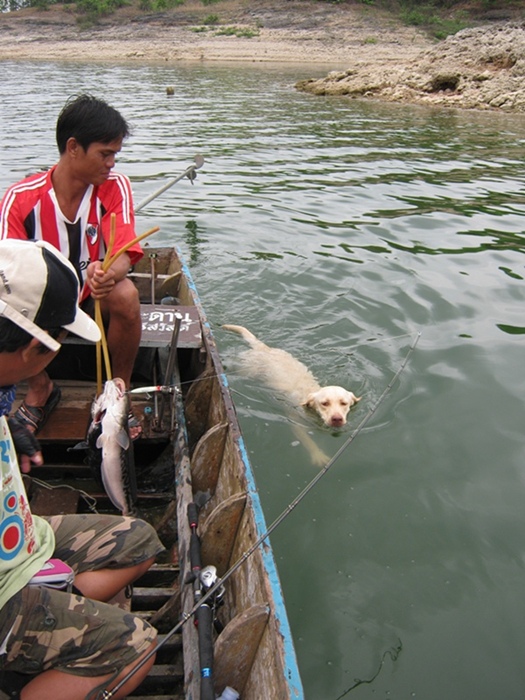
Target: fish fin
{"type": "Point", "coordinates": [100, 441]}
{"type": "Point", "coordinates": [123, 439]}
{"type": "Point", "coordinates": [84, 445]}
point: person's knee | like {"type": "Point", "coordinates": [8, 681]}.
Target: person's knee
{"type": "Point", "coordinates": [123, 300]}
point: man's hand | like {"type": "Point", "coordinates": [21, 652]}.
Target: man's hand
{"type": "Point", "coordinates": [100, 283]}
{"type": "Point", "coordinates": [26, 445]}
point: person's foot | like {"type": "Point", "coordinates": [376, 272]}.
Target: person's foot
{"type": "Point", "coordinates": [134, 426]}
{"type": "Point", "coordinates": [35, 415]}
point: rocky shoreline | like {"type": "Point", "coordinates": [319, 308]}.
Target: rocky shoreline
{"type": "Point", "coordinates": [368, 52]}
{"type": "Point", "coordinates": [478, 68]}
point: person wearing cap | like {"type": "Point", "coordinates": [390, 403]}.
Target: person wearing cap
{"type": "Point", "coordinates": [66, 643]}
{"type": "Point", "coordinates": [70, 206]}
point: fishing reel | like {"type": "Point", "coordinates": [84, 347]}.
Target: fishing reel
{"type": "Point", "coordinates": [208, 578]}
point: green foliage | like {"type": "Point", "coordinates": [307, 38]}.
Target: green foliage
{"type": "Point", "coordinates": [235, 31]}
{"type": "Point", "coordinates": [438, 17]}
{"type": "Point", "coordinates": [11, 5]}
{"type": "Point", "coordinates": [427, 16]}
{"type": "Point", "coordinates": [160, 5]}
{"type": "Point", "coordinates": [98, 8]}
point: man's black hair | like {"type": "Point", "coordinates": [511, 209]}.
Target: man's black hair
{"type": "Point", "coordinates": [12, 337]}
{"type": "Point", "coordinates": [88, 119]}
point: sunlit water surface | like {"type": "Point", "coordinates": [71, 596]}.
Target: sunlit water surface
{"type": "Point", "coordinates": [339, 230]}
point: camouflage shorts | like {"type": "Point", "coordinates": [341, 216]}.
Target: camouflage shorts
{"type": "Point", "coordinates": [55, 629]}
{"type": "Point", "coordinates": [90, 542]}
{"type": "Point", "coordinates": [69, 633]}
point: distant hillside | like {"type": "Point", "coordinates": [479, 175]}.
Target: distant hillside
{"type": "Point", "coordinates": [439, 18]}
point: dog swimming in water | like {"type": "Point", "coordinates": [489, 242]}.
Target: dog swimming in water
{"type": "Point", "coordinates": [284, 373]}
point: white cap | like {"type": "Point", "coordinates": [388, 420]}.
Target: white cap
{"type": "Point", "coordinates": [39, 291]}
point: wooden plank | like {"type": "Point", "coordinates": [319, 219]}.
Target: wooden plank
{"type": "Point", "coordinates": [219, 531]}
{"type": "Point", "coordinates": [55, 501]}
{"type": "Point", "coordinates": [207, 459]}
{"type": "Point", "coordinates": [158, 322]}
{"type": "Point", "coordinates": [236, 648]}
{"type": "Point", "coordinates": [162, 676]}
{"type": "Point", "coordinates": [144, 596]}
{"type": "Point", "coordinates": [199, 397]}
{"type": "Point", "coordinates": [169, 614]}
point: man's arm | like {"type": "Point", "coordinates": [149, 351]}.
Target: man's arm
{"type": "Point", "coordinates": [117, 198]}
{"type": "Point", "coordinates": [11, 220]}
{"type": "Point", "coordinates": [26, 445]}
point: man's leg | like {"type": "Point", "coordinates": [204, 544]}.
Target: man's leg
{"type": "Point", "coordinates": [56, 685]}
{"type": "Point", "coordinates": [41, 399]}
{"type": "Point", "coordinates": [39, 388]}
{"type": "Point", "coordinates": [122, 309]}
{"type": "Point", "coordinates": [112, 553]}
{"type": "Point", "coordinates": [71, 644]}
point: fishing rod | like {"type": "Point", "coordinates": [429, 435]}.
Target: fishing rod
{"type": "Point", "coordinates": [201, 578]}
{"type": "Point", "coordinates": [107, 694]}
{"type": "Point", "coordinates": [189, 173]}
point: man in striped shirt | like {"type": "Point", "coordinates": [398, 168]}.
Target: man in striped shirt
{"type": "Point", "coordinates": [70, 206]}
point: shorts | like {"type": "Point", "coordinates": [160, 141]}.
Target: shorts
{"type": "Point", "coordinates": [90, 542]}
{"type": "Point", "coordinates": [66, 632]}
{"type": "Point", "coordinates": [70, 633]}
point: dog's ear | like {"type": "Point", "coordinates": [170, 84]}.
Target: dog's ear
{"type": "Point", "coordinates": [353, 398]}
{"type": "Point", "coordinates": [309, 400]}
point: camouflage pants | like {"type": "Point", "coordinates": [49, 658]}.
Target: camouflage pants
{"type": "Point", "coordinates": [55, 629]}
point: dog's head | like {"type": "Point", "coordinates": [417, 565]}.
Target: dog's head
{"type": "Point", "coordinates": [332, 403]}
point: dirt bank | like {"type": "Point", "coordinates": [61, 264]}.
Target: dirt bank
{"type": "Point", "coordinates": [299, 31]}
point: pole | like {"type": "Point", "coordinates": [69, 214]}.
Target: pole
{"type": "Point", "coordinates": [189, 173]}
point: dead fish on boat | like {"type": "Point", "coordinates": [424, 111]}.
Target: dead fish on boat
{"type": "Point", "coordinates": [110, 449]}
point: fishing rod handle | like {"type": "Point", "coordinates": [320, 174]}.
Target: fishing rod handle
{"type": "Point", "coordinates": [204, 617]}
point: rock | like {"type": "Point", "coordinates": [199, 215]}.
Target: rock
{"type": "Point", "coordinates": [477, 68]}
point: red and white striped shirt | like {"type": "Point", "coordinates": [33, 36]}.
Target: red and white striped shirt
{"type": "Point", "coordinates": [30, 210]}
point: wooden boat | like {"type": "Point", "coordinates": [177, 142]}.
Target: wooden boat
{"type": "Point", "coordinates": [191, 449]}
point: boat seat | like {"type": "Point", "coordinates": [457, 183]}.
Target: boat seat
{"type": "Point", "coordinates": [157, 327]}
{"type": "Point", "coordinates": [158, 322]}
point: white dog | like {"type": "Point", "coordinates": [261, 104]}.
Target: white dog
{"type": "Point", "coordinates": [284, 373]}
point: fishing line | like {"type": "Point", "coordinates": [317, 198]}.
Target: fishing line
{"type": "Point", "coordinates": [172, 388]}
{"type": "Point", "coordinates": [107, 694]}
{"type": "Point", "coordinates": [393, 653]}
{"type": "Point", "coordinates": [90, 501]}
{"type": "Point", "coordinates": [351, 348]}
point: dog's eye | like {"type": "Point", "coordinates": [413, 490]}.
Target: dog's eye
{"type": "Point", "coordinates": [325, 403]}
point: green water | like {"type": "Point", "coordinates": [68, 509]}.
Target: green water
{"type": "Point", "coordinates": [339, 230]}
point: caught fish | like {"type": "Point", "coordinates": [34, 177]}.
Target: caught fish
{"type": "Point", "coordinates": [110, 449]}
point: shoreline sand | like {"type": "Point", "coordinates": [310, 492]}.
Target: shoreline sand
{"type": "Point", "coordinates": [296, 32]}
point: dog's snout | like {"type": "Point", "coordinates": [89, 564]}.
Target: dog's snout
{"type": "Point", "coordinates": [337, 420]}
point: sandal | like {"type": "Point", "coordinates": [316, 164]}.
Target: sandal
{"type": "Point", "coordinates": [134, 422]}
{"type": "Point", "coordinates": [35, 417]}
